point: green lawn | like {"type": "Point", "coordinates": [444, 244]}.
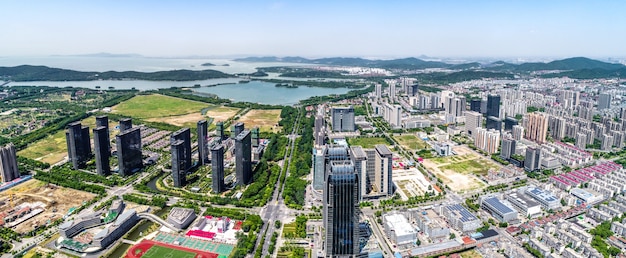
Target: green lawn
{"type": "Point", "coordinates": [411, 142]}
{"type": "Point", "coordinates": [475, 166]}
{"type": "Point", "coordinates": [159, 251]}
{"type": "Point", "coordinates": [289, 229]}
{"type": "Point", "coordinates": [155, 105]}
{"type": "Point", "coordinates": [367, 142]}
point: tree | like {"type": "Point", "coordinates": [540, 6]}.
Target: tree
{"type": "Point", "coordinates": [452, 236]}
{"type": "Point", "coordinates": [277, 224]}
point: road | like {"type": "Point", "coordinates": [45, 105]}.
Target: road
{"type": "Point", "coordinates": [276, 208]}
{"type": "Point", "coordinates": [381, 236]}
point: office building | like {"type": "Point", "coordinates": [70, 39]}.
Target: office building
{"type": "Point", "coordinates": [536, 127]}
{"type": "Point", "coordinates": [509, 122]}
{"type": "Point", "coordinates": [255, 137]}
{"type": "Point", "coordinates": [473, 120]}
{"type": "Point", "coordinates": [203, 146]}
{"type": "Point", "coordinates": [498, 209]}
{"type": "Point", "coordinates": [604, 101]}
{"type": "Point", "coordinates": [413, 90]}
{"type": "Point", "coordinates": [129, 151]}
{"type": "Point", "coordinates": [341, 204]}
{"type": "Point", "coordinates": [532, 161]}
{"type": "Point", "coordinates": [494, 123]}
{"type": "Point", "coordinates": [518, 132]}
{"type": "Point", "coordinates": [78, 144]}
{"type": "Point", "coordinates": [243, 157]}
{"type": "Point", "coordinates": [508, 148]}
{"type": "Point", "coordinates": [183, 135]}
{"type": "Point", "coordinates": [179, 174]}
{"type": "Point", "coordinates": [101, 147]}
{"type": "Point", "coordinates": [217, 168]}
{"type": "Point", "coordinates": [8, 163]}
{"type": "Point", "coordinates": [359, 158]}
{"type": "Point", "coordinates": [383, 170]}
{"type": "Point", "coordinates": [319, 130]}
{"type": "Point", "coordinates": [239, 127]}
{"type": "Point", "coordinates": [475, 105]}
{"type": "Point", "coordinates": [342, 119]}
{"type": "Point", "coordinates": [493, 106]}
{"type": "Point", "coordinates": [219, 129]}
{"type": "Point", "coordinates": [104, 121]}
{"type": "Point", "coordinates": [319, 167]}
{"type": "Point", "coordinates": [125, 124]}
{"type": "Point", "coordinates": [487, 140]}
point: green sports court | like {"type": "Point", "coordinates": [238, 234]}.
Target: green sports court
{"type": "Point", "coordinates": [223, 250]}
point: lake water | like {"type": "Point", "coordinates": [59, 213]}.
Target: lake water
{"type": "Point", "coordinates": [255, 91]}
{"type": "Point", "coordinates": [268, 93]}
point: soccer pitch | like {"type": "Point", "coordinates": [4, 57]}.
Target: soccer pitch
{"type": "Point", "coordinates": [164, 252]}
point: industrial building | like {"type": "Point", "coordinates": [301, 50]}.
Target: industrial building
{"type": "Point", "coordinates": [341, 204]}
{"type": "Point", "coordinates": [399, 230]}
{"type": "Point", "coordinates": [498, 209]}
{"type": "Point", "coordinates": [181, 217]}
{"type": "Point", "coordinates": [525, 205]}
{"type": "Point", "coordinates": [203, 147]}
{"type": "Point", "coordinates": [78, 144]}
{"type": "Point", "coordinates": [243, 157]}
{"type": "Point", "coordinates": [460, 218]}
{"type": "Point", "coordinates": [547, 200]}
{"type": "Point", "coordinates": [430, 224]}
{"type": "Point", "coordinates": [217, 168]}
{"type": "Point", "coordinates": [342, 119]}
{"type": "Point", "coordinates": [8, 163]}
{"type": "Point", "coordinates": [129, 154]}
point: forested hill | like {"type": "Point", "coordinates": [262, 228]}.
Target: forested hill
{"type": "Point", "coordinates": [44, 73]}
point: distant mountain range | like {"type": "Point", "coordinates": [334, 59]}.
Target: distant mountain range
{"type": "Point", "coordinates": [569, 64]}
{"type": "Point", "coordinates": [44, 73]}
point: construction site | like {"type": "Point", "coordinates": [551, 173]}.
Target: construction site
{"type": "Point", "coordinates": [34, 203]}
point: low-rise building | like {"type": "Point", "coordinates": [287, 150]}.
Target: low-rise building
{"type": "Point", "coordinates": [399, 230]}
{"type": "Point", "coordinates": [460, 218]}
{"type": "Point", "coordinates": [524, 205]}
{"type": "Point", "coordinates": [70, 228]}
{"type": "Point", "coordinates": [181, 217]}
{"type": "Point", "coordinates": [547, 200]}
{"type": "Point", "coordinates": [430, 224]}
{"type": "Point", "coordinates": [498, 209]}
{"type": "Point", "coordinates": [122, 224]}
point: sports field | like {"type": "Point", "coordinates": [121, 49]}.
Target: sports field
{"type": "Point", "coordinates": [223, 250]}
{"type": "Point", "coordinates": [151, 249]}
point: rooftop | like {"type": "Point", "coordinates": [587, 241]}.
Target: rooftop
{"type": "Point", "coordinates": [179, 215]}
{"type": "Point", "coordinates": [498, 205]}
{"type": "Point", "coordinates": [461, 213]}
{"type": "Point", "coordinates": [541, 194]}
{"type": "Point", "coordinates": [400, 224]}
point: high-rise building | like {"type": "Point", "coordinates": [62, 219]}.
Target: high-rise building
{"type": "Point", "coordinates": [184, 135]}
{"type": "Point", "coordinates": [581, 140]}
{"type": "Point", "coordinates": [129, 154]}
{"type": "Point", "coordinates": [219, 129]}
{"type": "Point", "coordinates": [359, 158]}
{"type": "Point", "coordinates": [319, 167]}
{"type": "Point", "coordinates": [78, 144]}
{"type": "Point", "coordinates": [203, 146]}
{"type": "Point", "coordinates": [125, 124]}
{"type": "Point", "coordinates": [604, 101]}
{"type": "Point", "coordinates": [459, 106]}
{"type": "Point", "coordinates": [104, 121]}
{"type": "Point", "coordinates": [217, 167]}
{"type": "Point", "coordinates": [487, 140]}
{"type": "Point", "coordinates": [435, 101]}
{"type": "Point", "coordinates": [493, 105]}
{"type": "Point", "coordinates": [445, 98]}
{"type": "Point", "coordinates": [392, 91]}
{"type": "Point", "coordinates": [255, 137]}
{"type": "Point", "coordinates": [379, 91]}
{"type": "Point", "coordinates": [101, 147]}
{"type": "Point", "coordinates": [243, 157]}
{"type": "Point", "coordinates": [318, 131]}
{"type": "Point", "coordinates": [473, 120]}
{"type": "Point", "coordinates": [239, 127]}
{"type": "Point", "coordinates": [179, 173]}
{"type": "Point", "coordinates": [395, 115]}
{"type": "Point", "coordinates": [532, 161]}
{"type": "Point", "coordinates": [607, 142]}
{"type": "Point", "coordinates": [494, 123]}
{"type": "Point", "coordinates": [8, 163]}
{"type": "Point", "coordinates": [508, 148]}
{"type": "Point", "coordinates": [413, 90]}
{"type": "Point", "coordinates": [343, 119]}
{"type": "Point", "coordinates": [475, 105]}
{"type": "Point", "coordinates": [383, 170]}
{"type": "Point", "coordinates": [341, 209]}
{"type": "Point", "coordinates": [536, 127]}
{"type": "Point", "coordinates": [556, 126]}
{"type": "Point", "coordinates": [509, 122]}
{"type": "Point", "coordinates": [518, 132]}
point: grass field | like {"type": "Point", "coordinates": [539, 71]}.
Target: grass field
{"type": "Point", "coordinates": [460, 172]}
{"type": "Point", "coordinates": [289, 229]}
{"type": "Point", "coordinates": [265, 119]}
{"type": "Point", "coordinates": [159, 251]}
{"type": "Point", "coordinates": [411, 142]}
{"type": "Point", "coordinates": [155, 106]}
{"type": "Point", "coordinates": [367, 142]}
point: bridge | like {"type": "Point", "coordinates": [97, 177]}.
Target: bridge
{"type": "Point", "coordinates": [157, 219]}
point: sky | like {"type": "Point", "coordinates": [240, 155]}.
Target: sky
{"type": "Point", "coordinates": [381, 29]}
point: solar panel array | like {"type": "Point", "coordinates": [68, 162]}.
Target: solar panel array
{"type": "Point", "coordinates": [463, 214]}
{"type": "Point", "coordinates": [497, 205]}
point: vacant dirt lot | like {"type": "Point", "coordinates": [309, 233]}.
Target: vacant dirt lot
{"type": "Point", "coordinates": [266, 120]}
{"type": "Point", "coordinates": [56, 201]}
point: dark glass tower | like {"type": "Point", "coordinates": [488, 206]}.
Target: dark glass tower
{"type": "Point", "coordinates": [243, 157]}
{"type": "Point", "coordinates": [185, 136]}
{"type": "Point", "coordinates": [341, 209]}
{"type": "Point", "coordinates": [217, 166]}
{"type": "Point", "coordinates": [493, 105]}
{"type": "Point", "coordinates": [104, 121]}
{"type": "Point", "coordinates": [219, 128]}
{"type": "Point", "coordinates": [178, 157]}
{"type": "Point", "coordinates": [475, 105]}
{"type": "Point", "coordinates": [203, 148]}
{"type": "Point", "coordinates": [129, 151]}
{"type": "Point", "coordinates": [239, 127]}
{"type": "Point", "coordinates": [125, 124]}
{"type": "Point", "coordinates": [101, 147]}
{"type": "Point", "coordinates": [255, 137]}
{"type": "Point", "coordinates": [78, 144]}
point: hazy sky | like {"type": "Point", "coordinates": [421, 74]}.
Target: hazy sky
{"type": "Point", "coordinates": [315, 28]}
